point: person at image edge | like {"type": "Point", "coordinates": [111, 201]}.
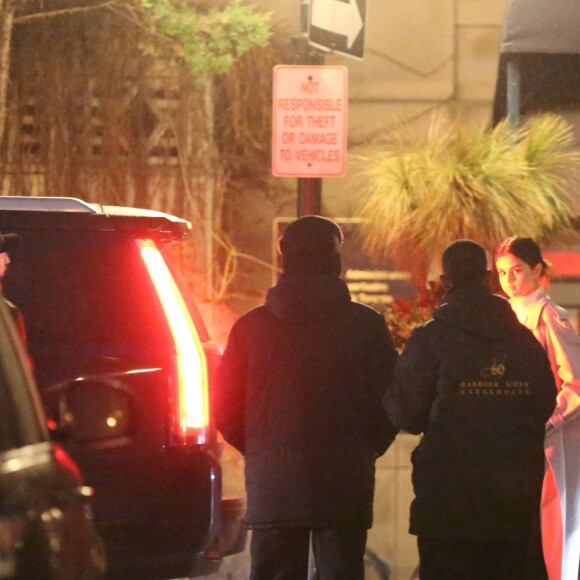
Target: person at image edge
{"type": "Point", "coordinates": [522, 272]}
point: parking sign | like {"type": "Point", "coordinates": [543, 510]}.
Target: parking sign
{"type": "Point", "coordinates": [310, 107]}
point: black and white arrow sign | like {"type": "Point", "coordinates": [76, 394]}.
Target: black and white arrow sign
{"type": "Point", "coordinates": [338, 26]}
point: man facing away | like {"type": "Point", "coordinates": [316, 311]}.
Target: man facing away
{"type": "Point", "coordinates": [475, 384]}
{"type": "Point", "coordinates": [299, 394]}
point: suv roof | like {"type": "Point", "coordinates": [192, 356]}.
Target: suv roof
{"type": "Point", "coordinates": [40, 212]}
{"type": "Point", "coordinates": [27, 203]}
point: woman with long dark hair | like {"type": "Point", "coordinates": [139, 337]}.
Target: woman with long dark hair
{"type": "Point", "coordinates": [522, 272]}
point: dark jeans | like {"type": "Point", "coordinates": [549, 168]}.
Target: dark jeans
{"type": "Point", "coordinates": [464, 559]}
{"type": "Point", "coordinates": [282, 553]}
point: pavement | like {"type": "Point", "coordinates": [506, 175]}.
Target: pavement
{"type": "Point", "coordinates": [236, 567]}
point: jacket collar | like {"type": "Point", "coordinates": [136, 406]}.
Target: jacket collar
{"type": "Point", "coordinates": [307, 298]}
{"type": "Point", "coordinates": [529, 308]}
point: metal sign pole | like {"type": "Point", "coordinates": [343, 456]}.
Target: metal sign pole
{"type": "Point", "coordinates": [513, 82]}
{"type": "Point", "coordinates": [309, 189]}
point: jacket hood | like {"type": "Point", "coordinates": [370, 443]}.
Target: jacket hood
{"type": "Point", "coordinates": [477, 312]}
{"type": "Point", "coordinates": [307, 297]}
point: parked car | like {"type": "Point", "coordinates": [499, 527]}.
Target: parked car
{"type": "Point", "coordinates": [124, 364]}
{"type": "Point", "coordinates": [46, 527]}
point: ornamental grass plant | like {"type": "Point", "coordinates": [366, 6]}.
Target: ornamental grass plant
{"type": "Point", "coordinates": [460, 181]}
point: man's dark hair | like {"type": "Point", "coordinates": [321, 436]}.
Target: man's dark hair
{"type": "Point", "coordinates": [464, 262]}
{"type": "Point", "coordinates": [309, 247]}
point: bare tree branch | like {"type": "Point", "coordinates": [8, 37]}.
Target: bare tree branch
{"type": "Point", "coordinates": [62, 12]}
{"type": "Point", "coordinates": [6, 25]}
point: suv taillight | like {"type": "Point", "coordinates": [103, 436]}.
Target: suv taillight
{"type": "Point", "coordinates": [192, 382]}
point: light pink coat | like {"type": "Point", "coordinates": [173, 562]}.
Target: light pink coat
{"type": "Point", "coordinates": [561, 493]}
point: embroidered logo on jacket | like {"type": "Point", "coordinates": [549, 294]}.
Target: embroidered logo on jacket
{"type": "Point", "coordinates": [491, 382]}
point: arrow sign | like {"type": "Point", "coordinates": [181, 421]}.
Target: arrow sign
{"type": "Point", "coordinates": [340, 17]}
{"type": "Point", "coordinates": [338, 26]}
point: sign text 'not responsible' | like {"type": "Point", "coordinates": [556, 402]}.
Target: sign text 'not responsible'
{"type": "Point", "coordinates": [310, 108]}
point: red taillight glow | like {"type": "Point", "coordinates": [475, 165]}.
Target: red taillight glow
{"type": "Point", "coordinates": [193, 400]}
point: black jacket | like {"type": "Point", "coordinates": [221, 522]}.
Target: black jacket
{"type": "Point", "coordinates": [479, 387]}
{"type": "Point", "coordinates": [299, 393]}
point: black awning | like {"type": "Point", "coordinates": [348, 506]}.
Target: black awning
{"type": "Point", "coordinates": [541, 27]}
{"type": "Point", "coordinates": [542, 37]}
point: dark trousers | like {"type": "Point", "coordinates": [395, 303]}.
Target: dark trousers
{"type": "Point", "coordinates": [282, 553]}
{"type": "Point", "coordinates": [464, 559]}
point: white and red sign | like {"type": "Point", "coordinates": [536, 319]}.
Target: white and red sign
{"type": "Point", "coordinates": [310, 108]}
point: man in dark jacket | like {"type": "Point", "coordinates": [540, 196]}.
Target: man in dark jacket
{"type": "Point", "coordinates": [299, 394]}
{"type": "Point", "coordinates": [478, 385]}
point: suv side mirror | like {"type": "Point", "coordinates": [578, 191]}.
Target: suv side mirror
{"type": "Point", "coordinates": [92, 411]}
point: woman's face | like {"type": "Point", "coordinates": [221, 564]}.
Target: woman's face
{"type": "Point", "coordinates": [516, 277]}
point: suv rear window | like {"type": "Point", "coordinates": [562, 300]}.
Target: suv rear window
{"type": "Point", "coordinates": [90, 287]}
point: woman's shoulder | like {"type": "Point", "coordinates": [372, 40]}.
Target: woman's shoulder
{"type": "Point", "coordinates": [556, 318]}
{"type": "Point", "coordinates": [553, 311]}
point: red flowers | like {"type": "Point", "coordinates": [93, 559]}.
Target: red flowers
{"type": "Point", "coordinates": [403, 315]}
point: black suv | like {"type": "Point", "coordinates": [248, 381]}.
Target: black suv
{"type": "Point", "coordinates": [46, 528]}
{"type": "Point", "coordinates": [124, 364]}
